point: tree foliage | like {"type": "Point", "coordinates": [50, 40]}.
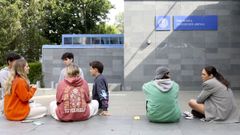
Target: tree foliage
{"type": "Point", "coordinates": [35, 73]}
{"type": "Point", "coordinates": [119, 22]}
{"type": "Point", "coordinates": [74, 17]}
{"type": "Point", "coordinates": [104, 28]}
{"type": "Point", "coordinates": [9, 25]}
{"type": "Point", "coordinates": [20, 28]}
{"type": "Point", "coordinates": [30, 39]}
{"type": "Point", "coordinates": [25, 25]}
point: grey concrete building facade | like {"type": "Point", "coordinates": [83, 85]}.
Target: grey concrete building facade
{"type": "Point", "coordinates": [184, 52]}
{"type": "Point", "coordinates": [112, 58]}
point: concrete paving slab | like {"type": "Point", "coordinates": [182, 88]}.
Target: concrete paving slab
{"type": "Point", "coordinates": [117, 125]}
{"type": "Point", "coordinates": [123, 107]}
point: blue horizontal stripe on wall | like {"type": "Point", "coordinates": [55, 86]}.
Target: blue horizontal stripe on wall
{"type": "Point", "coordinates": [83, 46]}
{"type": "Point", "coordinates": [195, 22]}
{"type": "Point", "coordinates": [92, 35]}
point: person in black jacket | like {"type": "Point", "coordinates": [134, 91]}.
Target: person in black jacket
{"type": "Point", "coordinates": [100, 87]}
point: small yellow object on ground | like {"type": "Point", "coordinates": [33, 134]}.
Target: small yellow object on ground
{"type": "Point", "coordinates": [136, 118]}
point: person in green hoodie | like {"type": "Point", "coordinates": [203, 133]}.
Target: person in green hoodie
{"type": "Point", "coordinates": [162, 98]}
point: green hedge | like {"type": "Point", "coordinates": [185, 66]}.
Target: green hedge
{"type": "Point", "coordinates": [35, 73]}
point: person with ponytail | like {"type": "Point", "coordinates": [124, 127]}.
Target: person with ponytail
{"type": "Point", "coordinates": [216, 101]}
{"type": "Point", "coordinates": [18, 92]}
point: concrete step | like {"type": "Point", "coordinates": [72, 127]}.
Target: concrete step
{"type": "Point", "coordinates": [52, 91]}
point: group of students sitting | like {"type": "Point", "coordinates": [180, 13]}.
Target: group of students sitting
{"type": "Point", "coordinates": [73, 103]}
{"type": "Point", "coordinates": [215, 102]}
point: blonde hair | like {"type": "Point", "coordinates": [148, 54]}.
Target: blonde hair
{"type": "Point", "coordinates": [72, 70]}
{"type": "Point", "coordinates": [17, 70]}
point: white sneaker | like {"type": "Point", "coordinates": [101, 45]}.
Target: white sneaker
{"type": "Point", "coordinates": [203, 119]}
{"type": "Point", "coordinates": [187, 115]}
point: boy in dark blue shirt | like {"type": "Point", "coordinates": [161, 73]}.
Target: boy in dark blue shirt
{"type": "Point", "coordinates": [100, 87]}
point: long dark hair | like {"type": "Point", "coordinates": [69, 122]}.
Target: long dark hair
{"type": "Point", "coordinates": [212, 70]}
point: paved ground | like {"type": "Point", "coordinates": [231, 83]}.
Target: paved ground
{"type": "Point", "coordinates": [123, 107]}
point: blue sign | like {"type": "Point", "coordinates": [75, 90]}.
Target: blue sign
{"type": "Point", "coordinates": [195, 22]}
{"type": "Point", "coordinates": [163, 23]}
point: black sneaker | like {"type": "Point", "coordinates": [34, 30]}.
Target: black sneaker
{"type": "Point", "coordinates": [197, 114]}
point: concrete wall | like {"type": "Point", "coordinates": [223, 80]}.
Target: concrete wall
{"type": "Point", "coordinates": [112, 58]}
{"type": "Point", "coordinates": [184, 52]}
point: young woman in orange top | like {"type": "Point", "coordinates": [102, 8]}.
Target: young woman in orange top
{"type": "Point", "coordinates": [18, 93]}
